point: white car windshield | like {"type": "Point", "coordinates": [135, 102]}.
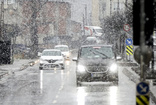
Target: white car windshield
{"type": "Point", "coordinates": [51, 53]}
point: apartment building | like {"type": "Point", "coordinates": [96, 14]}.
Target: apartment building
{"type": "Point", "coordinates": [53, 19]}
{"type": "Point", "coordinates": [103, 8]}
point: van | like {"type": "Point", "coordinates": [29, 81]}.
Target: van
{"type": "Point", "coordinates": [93, 31]}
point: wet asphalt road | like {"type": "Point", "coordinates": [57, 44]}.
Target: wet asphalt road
{"type": "Point", "coordinates": [58, 87]}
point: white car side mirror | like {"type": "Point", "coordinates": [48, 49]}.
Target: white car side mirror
{"type": "Point", "coordinates": [39, 54]}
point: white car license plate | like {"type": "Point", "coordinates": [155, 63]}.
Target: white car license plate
{"type": "Point", "coordinates": [49, 66]}
{"type": "Point", "coordinates": [97, 75]}
{"type": "Point", "coordinates": [52, 66]}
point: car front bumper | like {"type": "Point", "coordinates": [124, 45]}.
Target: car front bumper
{"type": "Point", "coordinates": [107, 76]}
{"type": "Point", "coordinates": [46, 65]}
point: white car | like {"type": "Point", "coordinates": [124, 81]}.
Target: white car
{"type": "Point", "coordinates": [51, 58]}
{"type": "Point", "coordinates": [64, 49]}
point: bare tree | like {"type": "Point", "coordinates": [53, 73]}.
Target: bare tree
{"type": "Point", "coordinates": [32, 10]}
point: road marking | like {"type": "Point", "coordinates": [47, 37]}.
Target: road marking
{"type": "Point", "coordinates": [58, 92]}
{"type": "Point", "coordinates": [57, 96]}
{"type": "Point", "coordinates": [55, 101]}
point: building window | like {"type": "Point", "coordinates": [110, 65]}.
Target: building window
{"type": "Point", "coordinates": [116, 4]}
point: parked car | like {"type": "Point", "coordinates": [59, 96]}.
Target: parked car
{"type": "Point", "coordinates": [64, 49]}
{"type": "Point", "coordinates": [51, 58]}
{"type": "Point", "coordinates": [96, 62]}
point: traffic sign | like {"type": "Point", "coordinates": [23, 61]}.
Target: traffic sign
{"type": "Point", "coordinates": [142, 88]}
{"type": "Point", "coordinates": [129, 50]}
{"type": "Point", "coordinates": [126, 27]}
{"type": "Point", "coordinates": [142, 100]}
{"type": "Point", "coordinates": [129, 41]}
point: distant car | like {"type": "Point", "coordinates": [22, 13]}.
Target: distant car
{"type": "Point", "coordinates": [96, 62]}
{"type": "Point", "coordinates": [64, 49]}
{"type": "Point", "coordinates": [51, 58]}
{"type": "Point", "coordinates": [91, 40]}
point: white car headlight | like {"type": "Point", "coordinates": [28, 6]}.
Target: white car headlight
{"type": "Point", "coordinates": [113, 67]}
{"type": "Point", "coordinates": [81, 68]}
{"type": "Point", "coordinates": [68, 54]}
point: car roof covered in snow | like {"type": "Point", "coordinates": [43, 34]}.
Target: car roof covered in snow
{"type": "Point", "coordinates": [61, 46]}
{"type": "Point", "coordinates": [51, 50]}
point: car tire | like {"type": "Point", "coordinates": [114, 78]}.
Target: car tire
{"type": "Point", "coordinates": [116, 81]}
{"type": "Point", "coordinates": [78, 82]}
{"type": "Point", "coordinates": [40, 68]}
{"type": "Point", "coordinates": [63, 67]}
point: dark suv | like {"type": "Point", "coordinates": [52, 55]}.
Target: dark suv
{"type": "Point", "coordinates": [96, 62]}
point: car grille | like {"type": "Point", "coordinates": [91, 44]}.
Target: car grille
{"type": "Point", "coordinates": [101, 69]}
{"type": "Point", "coordinates": [51, 61]}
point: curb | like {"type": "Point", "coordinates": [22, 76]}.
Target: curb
{"type": "Point", "coordinates": [135, 79]}
{"type": "Point", "coordinates": [131, 64]}
{"type": "Point", "coordinates": [22, 67]}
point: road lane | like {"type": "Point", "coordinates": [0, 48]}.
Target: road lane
{"type": "Point", "coordinates": [58, 87]}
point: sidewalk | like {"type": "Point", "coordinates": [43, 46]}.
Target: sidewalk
{"type": "Point", "coordinates": [136, 79]}
{"type": "Point", "coordinates": [18, 65]}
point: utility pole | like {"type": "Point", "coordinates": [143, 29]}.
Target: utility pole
{"type": "Point", "coordinates": [86, 23]}
{"type": "Point", "coordinates": [143, 31]}
{"type": "Point", "coordinates": [118, 7]}
{"type": "Point", "coordinates": [2, 21]}
{"type": "Point", "coordinates": [110, 7]}
{"type": "Point", "coordinates": [142, 38]}
{"type": "Point", "coordinates": [126, 2]}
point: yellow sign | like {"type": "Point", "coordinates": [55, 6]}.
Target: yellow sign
{"type": "Point", "coordinates": [129, 50]}
{"type": "Point", "coordinates": [142, 100]}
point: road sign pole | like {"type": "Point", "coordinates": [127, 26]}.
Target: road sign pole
{"type": "Point", "coordinates": [142, 38]}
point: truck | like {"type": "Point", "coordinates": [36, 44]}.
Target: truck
{"type": "Point", "coordinates": [95, 31]}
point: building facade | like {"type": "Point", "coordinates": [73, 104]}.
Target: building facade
{"type": "Point", "coordinates": [104, 8]}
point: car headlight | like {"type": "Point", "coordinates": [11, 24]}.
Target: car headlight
{"type": "Point", "coordinates": [113, 67]}
{"type": "Point", "coordinates": [68, 54]}
{"type": "Point", "coordinates": [81, 68]}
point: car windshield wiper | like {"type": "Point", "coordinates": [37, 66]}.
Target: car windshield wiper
{"type": "Point", "coordinates": [93, 51]}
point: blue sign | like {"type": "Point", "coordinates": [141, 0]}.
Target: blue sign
{"type": "Point", "coordinates": [129, 41]}
{"type": "Point", "coordinates": [142, 88]}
